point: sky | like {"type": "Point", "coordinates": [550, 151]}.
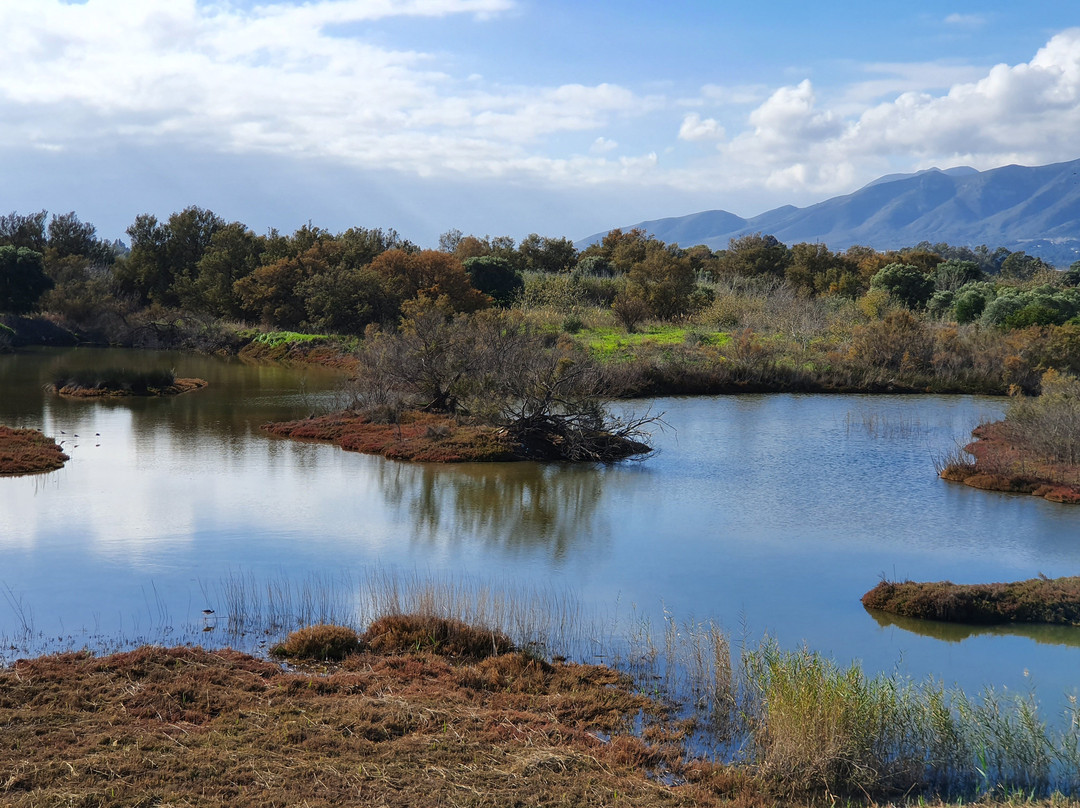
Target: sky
{"type": "Point", "coordinates": [508, 117]}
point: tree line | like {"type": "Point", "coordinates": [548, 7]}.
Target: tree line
{"type": "Point", "coordinates": [197, 263]}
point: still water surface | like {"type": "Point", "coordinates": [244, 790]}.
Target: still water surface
{"type": "Point", "coordinates": [767, 513]}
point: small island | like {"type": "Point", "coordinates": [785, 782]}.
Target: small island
{"type": "Point", "coordinates": [447, 388]}
{"type": "Point", "coordinates": [120, 382]}
{"type": "Point", "coordinates": [1035, 450]}
{"type": "Point", "coordinates": [1038, 600]}
{"type": "Point", "coordinates": [27, 451]}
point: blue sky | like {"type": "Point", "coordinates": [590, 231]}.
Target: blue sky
{"type": "Point", "coordinates": [514, 116]}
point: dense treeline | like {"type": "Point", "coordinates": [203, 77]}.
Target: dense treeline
{"type": "Point", "coordinates": [758, 315]}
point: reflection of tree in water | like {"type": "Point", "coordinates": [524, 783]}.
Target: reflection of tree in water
{"type": "Point", "coordinates": [513, 507]}
{"type": "Point", "coordinates": [958, 632]}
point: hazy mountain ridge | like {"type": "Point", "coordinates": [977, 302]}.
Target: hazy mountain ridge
{"type": "Point", "coordinates": [1035, 209]}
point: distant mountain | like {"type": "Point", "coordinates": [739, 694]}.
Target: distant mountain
{"type": "Point", "coordinates": [1034, 209]}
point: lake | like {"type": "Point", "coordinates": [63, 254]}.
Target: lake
{"type": "Point", "coordinates": [768, 513]}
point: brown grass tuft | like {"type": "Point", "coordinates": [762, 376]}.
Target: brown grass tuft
{"type": "Point", "coordinates": [413, 633]}
{"type": "Point", "coordinates": [323, 643]}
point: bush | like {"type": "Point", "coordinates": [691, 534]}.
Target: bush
{"type": "Point", "coordinates": [322, 642]}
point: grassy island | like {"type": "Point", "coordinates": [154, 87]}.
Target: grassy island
{"type": "Point", "coordinates": [27, 451]}
{"type": "Point", "coordinates": [120, 382]}
{"type": "Point", "coordinates": [1035, 450]}
{"type": "Point", "coordinates": [1039, 600]}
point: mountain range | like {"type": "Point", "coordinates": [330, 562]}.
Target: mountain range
{"type": "Point", "coordinates": [1031, 208]}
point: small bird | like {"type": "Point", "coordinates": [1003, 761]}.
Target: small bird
{"type": "Point", "coordinates": [207, 611]}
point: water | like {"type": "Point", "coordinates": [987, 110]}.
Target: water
{"type": "Point", "coordinates": [766, 513]}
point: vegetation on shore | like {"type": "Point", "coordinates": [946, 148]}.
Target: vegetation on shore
{"type": "Point", "coordinates": [118, 382]}
{"type": "Point", "coordinates": [421, 709]}
{"type": "Point", "coordinates": [658, 318]}
{"type": "Point", "coordinates": [1038, 600]}
{"type": "Point", "coordinates": [27, 451]}
{"type": "Point", "coordinates": [1034, 450]}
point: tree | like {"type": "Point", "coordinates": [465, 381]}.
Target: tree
{"type": "Point", "coordinates": [495, 277]}
{"type": "Point", "coordinates": [24, 230]}
{"type": "Point", "coordinates": [162, 265]}
{"type": "Point", "coordinates": [234, 252]}
{"type": "Point", "coordinates": [954, 274]}
{"type": "Point", "coordinates": [753, 255]}
{"type": "Point", "coordinates": [429, 274]}
{"type": "Point", "coordinates": [1020, 266]}
{"type": "Point", "coordinates": [22, 279]}
{"type": "Point", "coordinates": [543, 254]}
{"type": "Point", "coordinates": [67, 237]}
{"type": "Point", "coordinates": [664, 279]}
{"type": "Point", "coordinates": [904, 282]}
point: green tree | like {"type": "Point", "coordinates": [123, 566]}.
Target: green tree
{"type": "Point", "coordinates": [754, 255]}
{"type": "Point", "coordinates": [907, 283]}
{"type": "Point", "coordinates": [22, 279]}
{"type": "Point", "coordinates": [495, 277]}
{"type": "Point", "coordinates": [664, 279]}
{"type": "Point", "coordinates": [24, 230]}
{"type": "Point", "coordinates": [543, 254]}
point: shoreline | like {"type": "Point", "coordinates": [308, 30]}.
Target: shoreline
{"type": "Point", "coordinates": [1004, 466]}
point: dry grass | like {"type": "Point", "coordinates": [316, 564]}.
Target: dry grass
{"type": "Point", "coordinates": [27, 451]}
{"type": "Point", "coordinates": [184, 726]}
{"type": "Point", "coordinates": [1003, 463]}
{"type": "Point", "coordinates": [421, 437]}
{"type": "Point", "coordinates": [320, 643]}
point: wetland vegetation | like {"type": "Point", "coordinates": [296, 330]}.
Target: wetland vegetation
{"type": "Point", "coordinates": [27, 451]}
{"type": "Point", "coordinates": [1038, 600]}
{"type": "Point", "coordinates": [515, 347]}
{"type": "Point", "coordinates": [1034, 450]}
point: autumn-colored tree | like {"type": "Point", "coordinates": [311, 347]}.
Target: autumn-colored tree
{"type": "Point", "coordinates": [429, 274]}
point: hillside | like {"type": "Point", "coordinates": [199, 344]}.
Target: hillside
{"type": "Point", "coordinates": [1034, 209]}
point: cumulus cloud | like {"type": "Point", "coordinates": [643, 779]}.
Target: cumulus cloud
{"type": "Point", "coordinates": [694, 127]}
{"type": "Point", "coordinates": [603, 145]}
{"type": "Point", "coordinates": [301, 79]}
{"type": "Point", "coordinates": [273, 79]}
{"type": "Point", "coordinates": [1026, 113]}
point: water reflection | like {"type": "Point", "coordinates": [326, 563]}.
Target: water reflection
{"type": "Point", "coordinates": [958, 632]}
{"type": "Point", "coordinates": [511, 507]}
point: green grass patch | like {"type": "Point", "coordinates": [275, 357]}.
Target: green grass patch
{"type": "Point", "coordinates": [610, 343]}
{"type": "Point", "coordinates": [275, 339]}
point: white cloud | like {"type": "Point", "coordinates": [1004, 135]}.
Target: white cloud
{"type": "Point", "coordinates": [1025, 113]}
{"type": "Point", "coordinates": [302, 80]}
{"type": "Point", "coordinates": [694, 127]}
{"type": "Point", "coordinates": [603, 145]}
{"type": "Point", "coordinates": [272, 80]}
{"type": "Point", "coordinates": [966, 20]}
